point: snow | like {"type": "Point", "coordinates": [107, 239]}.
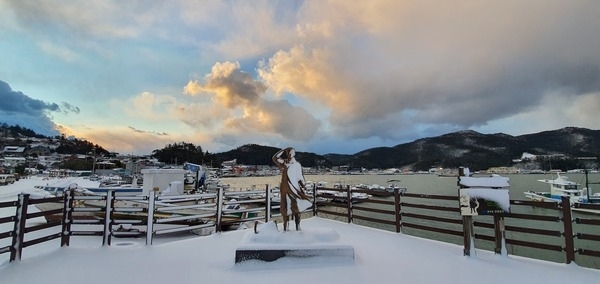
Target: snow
{"type": "Point", "coordinates": [494, 181]}
{"type": "Point", "coordinates": [380, 257]}
{"type": "Point", "coordinates": [500, 196]}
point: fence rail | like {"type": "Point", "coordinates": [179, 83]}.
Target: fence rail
{"type": "Point", "coordinates": [154, 215]}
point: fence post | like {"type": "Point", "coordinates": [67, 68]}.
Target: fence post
{"type": "Point", "coordinates": [349, 203]}
{"type": "Point", "coordinates": [467, 220]}
{"type": "Point", "coordinates": [498, 232]}
{"type": "Point", "coordinates": [397, 210]}
{"type": "Point", "coordinates": [314, 191]}
{"type": "Point", "coordinates": [67, 217]}
{"type": "Point", "coordinates": [108, 214]}
{"type": "Point", "coordinates": [268, 203]}
{"type": "Point", "coordinates": [219, 209]}
{"type": "Point", "coordinates": [19, 229]}
{"type": "Point", "coordinates": [150, 219]}
{"type": "Point", "coordinates": [568, 225]}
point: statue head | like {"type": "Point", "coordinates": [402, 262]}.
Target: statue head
{"type": "Point", "coordinates": [290, 153]}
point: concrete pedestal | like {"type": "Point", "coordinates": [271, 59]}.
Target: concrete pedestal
{"type": "Point", "coordinates": [269, 244]}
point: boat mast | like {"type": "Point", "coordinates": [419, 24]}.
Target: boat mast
{"type": "Point", "coordinates": [587, 186]}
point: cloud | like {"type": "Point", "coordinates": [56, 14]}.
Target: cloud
{"type": "Point", "coordinates": [412, 65]}
{"type": "Point", "coordinates": [247, 108]}
{"type": "Point", "coordinates": [61, 52]}
{"type": "Point", "coordinates": [231, 86]}
{"type": "Point", "coordinates": [20, 109]}
{"type": "Point", "coordinates": [123, 139]}
{"type": "Point", "coordinates": [67, 108]}
{"type": "Point", "coordinates": [148, 106]}
{"type": "Point", "coordinates": [149, 132]}
{"type": "Point", "coordinates": [367, 72]}
{"type": "Point", "coordinates": [84, 19]}
{"type": "Point", "coordinates": [279, 117]}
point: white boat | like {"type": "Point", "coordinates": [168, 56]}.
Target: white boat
{"type": "Point", "coordinates": [560, 187]}
{"type": "Point", "coordinates": [393, 184]}
{"type": "Point", "coordinates": [356, 196]}
{"type": "Point", "coordinates": [379, 190]}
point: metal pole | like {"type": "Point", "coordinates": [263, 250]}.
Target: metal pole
{"type": "Point", "coordinates": [349, 203]}
{"type": "Point", "coordinates": [314, 191]}
{"type": "Point", "coordinates": [110, 196]}
{"type": "Point", "coordinates": [67, 217]}
{"type": "Point", "coordinates": [219, 209]}
{"type": "Point", "coordinates": [150, 220]}
{"type": "Point", "coordinates": [268, 202]}
{"type": "Point", "coordinates": [397, 210]}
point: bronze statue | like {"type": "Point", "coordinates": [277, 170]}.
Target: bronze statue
{"type": "Point", "coordinates": [292, 188]}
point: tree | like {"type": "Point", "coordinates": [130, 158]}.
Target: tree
{"type": "Point", "coordinates": [179, 153]}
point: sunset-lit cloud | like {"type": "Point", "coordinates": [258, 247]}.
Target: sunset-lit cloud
{"type": "Point", "coordinates": [323, 76]}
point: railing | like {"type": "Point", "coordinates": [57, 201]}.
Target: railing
{"type": "Point", "coordinates": [425, 215]}
{"type": "Point", "coordinates": [438, 217]}
{"type": "Point", "coordinates": [108, 215]}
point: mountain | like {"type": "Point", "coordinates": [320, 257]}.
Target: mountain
{"type": "Point", "coordinates": [480, 151]}
{"type": "Point", "coordinates": [566, 148]}
{"type": "Point", "coordinates": [559, 148]}
{"type": "Point", "coordinates": [252, 154]}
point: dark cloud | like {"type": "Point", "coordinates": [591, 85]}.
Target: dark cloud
{"type": "Point", "coordinates": [18, 108]}
{"type": "Point", "coordinates": [147, 132]}
{"type": "Point", "coordinates": [18, 102]}
{"type": "Point", "coordinates": [68, 108]}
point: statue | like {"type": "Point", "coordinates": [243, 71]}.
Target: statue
{"type": "Point", "coordinates": [292, 188]}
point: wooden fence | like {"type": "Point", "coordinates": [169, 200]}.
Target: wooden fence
{"type": "Point", "coordinates": [399, 212]}
{"type": "Point", "coordinates": [440, 214]}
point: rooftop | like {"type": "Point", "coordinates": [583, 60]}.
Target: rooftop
{"type": "Point", "coordinates": [380, 256]}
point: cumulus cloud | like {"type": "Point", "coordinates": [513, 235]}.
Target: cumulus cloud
{"type": "Point", "coordinates": [369, 72]}
{"type": "Point", "coordinates": [18, 108]}
{"type": "Point", "coordinates": [231, 86]}
{"type": "Point", "coordinates": [239, 91]}
{"type": "Point", "coordinates": [280, 117]}
{"type": "Point", "coordinates": [418, 64]}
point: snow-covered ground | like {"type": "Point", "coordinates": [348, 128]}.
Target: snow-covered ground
{"type": "Point", "coordinates": [380, 257]}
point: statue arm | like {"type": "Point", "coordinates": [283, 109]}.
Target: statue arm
{"type": "Point", "coordinates": [277, 158]}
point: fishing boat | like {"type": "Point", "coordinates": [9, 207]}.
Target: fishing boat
{"type": "Point", "coordinates": [356, 197]}
{"type": "Point", "coordinates": [561, 187]}
{"type": "Point", "coordinates": [588, 198]}
{"type": "Point", "coordinates": [379, 190]}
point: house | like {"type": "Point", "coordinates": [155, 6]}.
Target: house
{"type": "Point", "coordinates": [13, 150]}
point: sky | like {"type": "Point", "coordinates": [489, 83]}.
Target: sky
{"type": "Point", "coordinates": [379, 257]}
{"type": "Point", "coordinates": [319, 76]}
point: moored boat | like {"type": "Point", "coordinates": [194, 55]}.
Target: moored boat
{"type": "Point", "coordinates": [561, 187]}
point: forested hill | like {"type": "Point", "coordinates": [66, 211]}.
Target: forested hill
{"type": "Point", "coordinates": [562, 148]}
{"type": "Point", "coordinates": [565, 147]}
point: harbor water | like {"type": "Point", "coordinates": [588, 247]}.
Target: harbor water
{"type": "Point", "coordinates": [432, 184]}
